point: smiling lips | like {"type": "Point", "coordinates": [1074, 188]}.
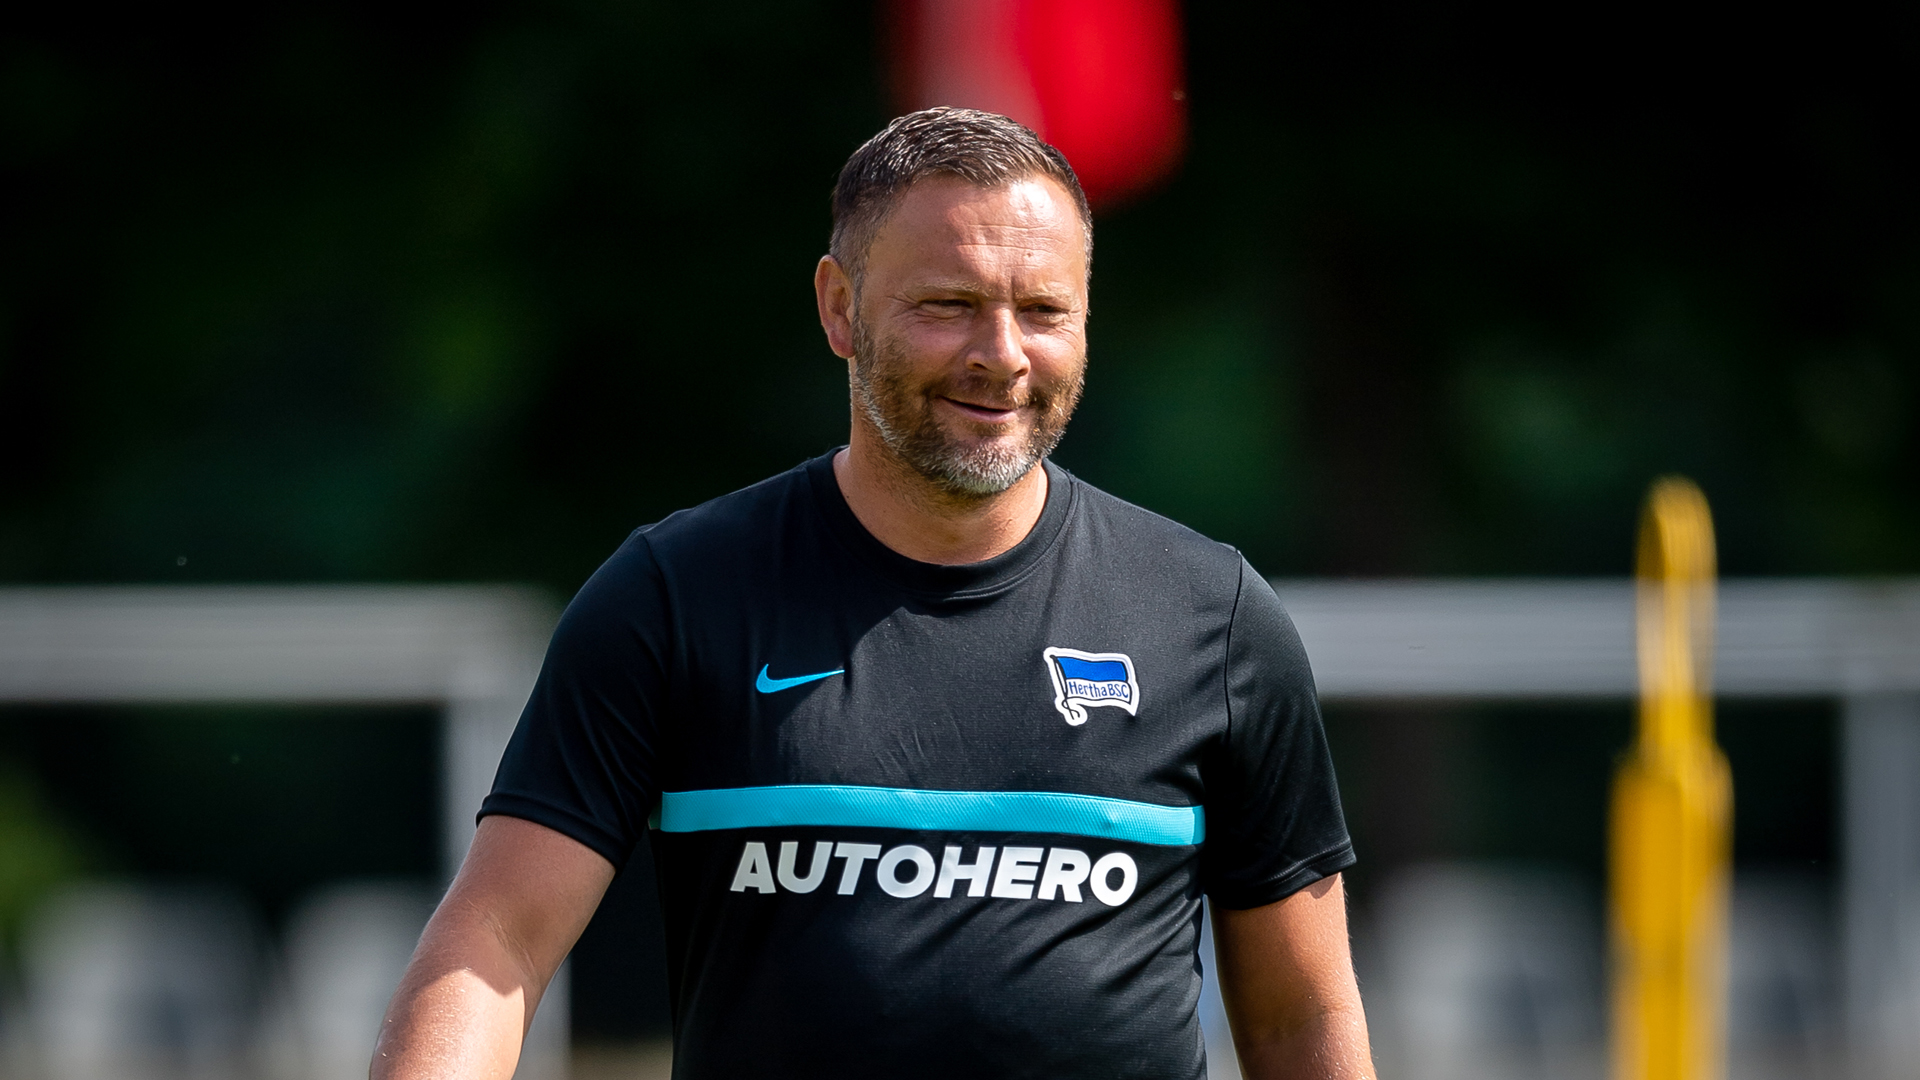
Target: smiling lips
{"type": "Point", "coordinates": [982, 412]}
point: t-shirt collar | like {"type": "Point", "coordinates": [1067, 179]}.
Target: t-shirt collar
{"type": "Point", "coordinates": [966, 579]}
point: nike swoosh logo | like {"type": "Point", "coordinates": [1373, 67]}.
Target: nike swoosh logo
{"type": "Point", "coordinates": [774, 686]}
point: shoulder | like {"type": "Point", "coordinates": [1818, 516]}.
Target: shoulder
{"type": "Point", "coordinates": [731, 516]}
{"type": "Point", "coordinates": [727, 529]}
{"type": "Point", "coordinates": [1150, 544]}
{"type": "Point", "coordinates": [719, 536]}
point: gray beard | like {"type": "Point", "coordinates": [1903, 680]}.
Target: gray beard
{"type": "Point", "coordinates": [904, 418]}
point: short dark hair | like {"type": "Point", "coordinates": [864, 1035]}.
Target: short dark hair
{"type": "Point", "coordinates": [979, 147]}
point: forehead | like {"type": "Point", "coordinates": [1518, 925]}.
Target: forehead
{"type": "Point", "coordinates": [945, 223]}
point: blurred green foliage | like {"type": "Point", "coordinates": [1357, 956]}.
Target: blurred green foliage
{"type": "Point", "coordinates": [39, 851]}
{"type": "Point", "coordinates": [347, 293]}
{"type": "Point", "coordinates": [331, 295]}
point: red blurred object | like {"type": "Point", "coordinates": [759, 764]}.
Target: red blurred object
{"type": "Point", "coordinates": [1100, 79]}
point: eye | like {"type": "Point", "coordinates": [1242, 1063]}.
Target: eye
{"type": "Point", "coordinates": [945, 307]}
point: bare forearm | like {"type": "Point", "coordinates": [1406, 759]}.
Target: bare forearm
{"type": "Point", "coordinates": [518, 904]}
{"type": "Point", "coordinates": [1286, 975]}
{"type": "Point", "coordinates": [1332, 1046]}
{"type": "Point", "coordinates": [461, 1009]}
{"type": "Point", "coordinates": [455, 1026]}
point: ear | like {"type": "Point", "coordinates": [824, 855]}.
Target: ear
{"type": "Point", "coordinates": [833, 293]}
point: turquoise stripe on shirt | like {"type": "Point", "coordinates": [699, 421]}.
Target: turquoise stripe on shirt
{"type": "Point", "coordinates": [908, 808]}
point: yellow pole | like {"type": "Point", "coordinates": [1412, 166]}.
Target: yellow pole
{"type": "Point", "coordinates": [1672, 813]}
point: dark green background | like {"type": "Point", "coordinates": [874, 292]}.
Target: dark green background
{"type": "Point", "coordinates": [467, 292]}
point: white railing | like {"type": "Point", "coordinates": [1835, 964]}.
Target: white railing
{"type": "Point", "coordinates": [475, 651]}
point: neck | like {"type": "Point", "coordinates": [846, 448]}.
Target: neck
{"type": "Point", "coordinates": [909, 514]}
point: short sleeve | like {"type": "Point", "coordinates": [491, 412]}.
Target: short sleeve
{"type": "Point", "coordinates": [1274, 824]}
{"type": "Point", "coordinates": [583, 760]}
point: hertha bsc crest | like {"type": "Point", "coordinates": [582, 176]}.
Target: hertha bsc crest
{"type": "Point", "coordinates": [1083, 679]}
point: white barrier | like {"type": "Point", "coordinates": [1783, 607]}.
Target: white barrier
{"type": "Point", "coordinates": [476, 651]}
{"type": "Point", "coordinates": [473, 651]}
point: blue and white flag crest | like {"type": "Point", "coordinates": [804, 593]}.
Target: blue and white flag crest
{"type": "Point", "coordinates": [1083, 679]}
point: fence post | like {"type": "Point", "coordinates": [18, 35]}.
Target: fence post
{"type": "Point", "coordinates": [1672, 814]}
{"type": "Point", "coordinates": [1881, 883]}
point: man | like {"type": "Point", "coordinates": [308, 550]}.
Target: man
{"type": "Point", "coordinates": [936, 746]}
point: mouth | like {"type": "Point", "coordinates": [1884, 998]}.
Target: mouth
{"type": "Point", "coordinates": [986, 414]}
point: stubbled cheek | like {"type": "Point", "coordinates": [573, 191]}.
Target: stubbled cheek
{"type": "Point", "coordinates": [1056, 361]}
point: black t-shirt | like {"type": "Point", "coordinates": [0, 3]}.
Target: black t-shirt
{"type": "Point", "coordinates": [938, 821]}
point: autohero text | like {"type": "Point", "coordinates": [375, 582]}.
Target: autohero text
{"type": "Point", "coordinates": [1009, 873]}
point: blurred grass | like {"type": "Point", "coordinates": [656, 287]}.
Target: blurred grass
{"type": "Point", "coordinates": [39, 851]}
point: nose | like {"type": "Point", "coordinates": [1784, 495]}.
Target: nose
{"type": "Point", "coordinates": [1001, 350]}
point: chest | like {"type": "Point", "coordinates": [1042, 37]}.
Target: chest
{"type": "Point", "coordinates": [1081, 690]}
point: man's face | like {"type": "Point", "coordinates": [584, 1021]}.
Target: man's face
{"type": "Point", "coordinates": [969, 330]}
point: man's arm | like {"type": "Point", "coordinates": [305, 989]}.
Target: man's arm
{"type": "Point", "coordinates": [522, 897]}
{"type": "Point", "coordinates": [1286, 975]}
